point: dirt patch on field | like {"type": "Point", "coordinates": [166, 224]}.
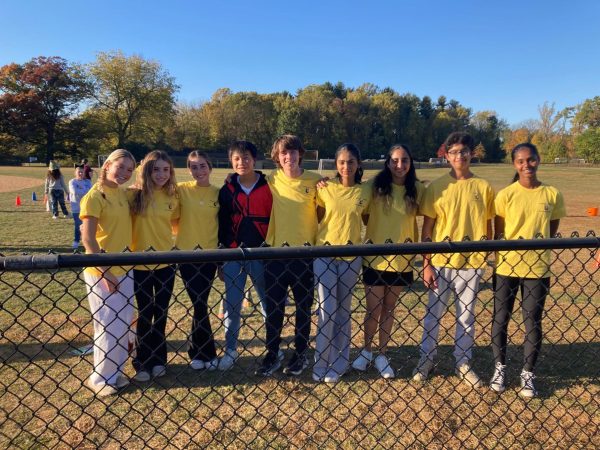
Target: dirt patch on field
{"type": "Point", "coordinates": [9, 183]}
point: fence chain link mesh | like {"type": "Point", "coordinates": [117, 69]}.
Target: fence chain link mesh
{"type": "Point", "coordinates": [46, 348]}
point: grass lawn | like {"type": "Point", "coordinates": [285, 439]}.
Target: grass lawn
{"type": "Point", "coordinates": [43, 403]}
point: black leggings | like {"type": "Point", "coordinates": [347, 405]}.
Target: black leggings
{"type": "Point", "coordinates": [533, 295]}
{"type": "Point", "coordinates": [153, 290]}
{"type": "Point", "coordinates": [198, 279]}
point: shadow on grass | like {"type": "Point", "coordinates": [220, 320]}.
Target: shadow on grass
{"type": "Point", "coordinates": [560, 366]}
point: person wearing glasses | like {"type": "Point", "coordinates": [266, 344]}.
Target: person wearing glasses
{"type": "Point", "coordinates": [457, 206]}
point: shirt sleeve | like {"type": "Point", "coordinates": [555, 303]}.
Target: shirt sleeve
{"type": "Point", "coordinates": [427, 207]}
{"type": "Point", "coordinates": [559, 208]}
{"type": "Point", "coordinates": [490, 210]}
{"type": "Point", "coordinates": [91, 205]}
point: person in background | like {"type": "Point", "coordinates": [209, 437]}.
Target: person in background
{"type": "Point", "coordinates": [392, 217]}
{"type": "Point", "coordinates": [55, 189]}
{"type": "Point", "coordinates": [245, 209]}
{"type": "Point", "coordinates": [78, 187]}
{"type": "Point", "coordinates": [527, 208]}
{"type": "Point", "coordinates": [87, 169]}
{"type": "Point", "coordinates": [155, 208]}
{"type": "Point", "coordinates": [198, 228]}
{"type": "Point", "coordinates": [106, 227]}
{"type": "Point", "coordinates": [457, 206]}
{"type": "Point", "coordinates": [341, 205]}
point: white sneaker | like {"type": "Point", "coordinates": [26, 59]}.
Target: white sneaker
{"type": "Point", "coordinates": [197, 364]}
{"type": "Point", "coordinates": [54, 217]}
{"type": "Point", "coordinates": [101, 390]}
{"type": "Point", "coordinates": [331, 377]}
{"type": "Point", "coordinates": [423, 369]}
{"type": "Point", "coordinates": [363, 360]}
{"type": "Point", "coordinates": [383, 366]}
{"type": "Point", "coordinates": [212, 364]}
{"type": "Point", "coordinates": [527, 387]}
{"type": "Point", "coordinates": [498, 381]}
{"type": "Point", "coordinates": [466, 373]}
{"type": "Point", "coordinates": [122, 381]}
{"type": "Point", "coordinates": [159, 371]}
{"type": "Point", "coordinates": [142, 376]}
{"type": "Point", "coordinates": [228, 359]}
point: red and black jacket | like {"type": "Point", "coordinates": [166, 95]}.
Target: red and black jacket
{"type": "Point", "coordinates": [244, 219]}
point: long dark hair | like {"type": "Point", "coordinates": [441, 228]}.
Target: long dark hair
{"type": "Point", "coordinates": [354, 151]}
{"type": "Point", "coordinates": [382, 184]}
{"type": "Point", "coordinates": [528, 145]}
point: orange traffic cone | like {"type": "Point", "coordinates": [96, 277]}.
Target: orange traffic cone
{"type": "Point", "coordinates": [18, 201]}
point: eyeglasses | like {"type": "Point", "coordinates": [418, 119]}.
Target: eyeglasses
{"type": "Point", "coordinates": [455, 153]}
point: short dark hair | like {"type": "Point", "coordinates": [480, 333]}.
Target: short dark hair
{"type": "Point", "coordinates": [243, 147]}
{"type": "Point", "coordinates": [459, 137]}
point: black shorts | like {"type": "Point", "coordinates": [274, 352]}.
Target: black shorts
{"type": "Point", "coordinates": [372, 277]}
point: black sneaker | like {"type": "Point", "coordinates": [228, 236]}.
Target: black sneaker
{"type": "Point", "coordinates": [296, 365]}
{"type": "Point", "coordinates": [268, 366]}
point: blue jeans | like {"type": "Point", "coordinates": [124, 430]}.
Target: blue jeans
{"type": "Point", "coordinates": [77, 221]}
{"type": "Point", "coordinates": [235, 274]}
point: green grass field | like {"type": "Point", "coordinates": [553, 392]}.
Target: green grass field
{"type": "Point", "coordinates": [43, 404]}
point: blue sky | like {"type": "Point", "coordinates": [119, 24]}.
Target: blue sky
{"type": "Point", "coordinates": [506, 56]}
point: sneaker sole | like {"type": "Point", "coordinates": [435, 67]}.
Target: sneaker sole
{"type": "Point", "coordinates": [498, 390]}
{"type": "Point", "coordinates": [269, 372]}
{"type": "Point", "coordinates": [287, 370]}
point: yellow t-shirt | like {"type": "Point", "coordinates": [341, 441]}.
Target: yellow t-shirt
{"type": "Point", "coordinates": [153, 228]}
{"type": "Point", "coordinates": [198, 222]}
{"type": "Point", "coordinates": [527, 212]}
{"type": "Point", "coordinates": [114, 231]}
{"type": "Point", "coordinates": [294, 213]}
{"type": "Point", "coordinates": [344, 207]}
{"type": "Point", "coordinates": [461, 209]}
{"type": "Point", "coordinates": [393, 222]}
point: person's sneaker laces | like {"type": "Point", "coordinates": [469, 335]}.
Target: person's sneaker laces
{"type": "Point", "coordinates": [296, 365]}
{"type": "Point", "coordinates": [362, 361]}
{"type": "Point", "coordinates": [497, 382]}
{"type": "Point", "coordinates": [466, 373]}
{"type": "Point", "coordinates": [269, 365]}
{"type": "Point", "coordinates": [228, 359]}
{"type": "Point", "coordinates": [423, 369]}
{"type": "Point", "coordinates": [527, 387]}
{"type": "Point", "coordinates": [382, 364]}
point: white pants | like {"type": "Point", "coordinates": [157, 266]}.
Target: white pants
{"type": "Point", "coordinates": [336, 279]}
{"type": "Point", "coordinates": [111, 316]}
{"type": "Point", "coordinates": [465, 285]}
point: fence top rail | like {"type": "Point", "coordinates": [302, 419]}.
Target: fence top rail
{"type": "Point", "coordinates": [57, 261]}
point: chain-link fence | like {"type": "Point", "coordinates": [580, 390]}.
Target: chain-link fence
{"type": "Point", "coordinates": [344, 397]}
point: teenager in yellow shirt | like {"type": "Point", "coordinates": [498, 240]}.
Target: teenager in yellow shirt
{"type": "Point", "coordinates": [341, 205]}
{"type": "Point", "coordinates": [457, 205]}
{"type": "Point", "coordinates": [525, 209]}
{"type": "Point", "coordinates": [392, 216]}
{"type": "Point", "coordinates": [293, 222]}
{"type": "Point", "coordinates": [155, 208]}
{"type": "Point", "coordinates": [106, 227]}
{"type": "Point", "coordinates": [198, 228]}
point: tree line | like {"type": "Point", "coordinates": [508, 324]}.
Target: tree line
{"type": "Point", "coordinates": [51, 108]}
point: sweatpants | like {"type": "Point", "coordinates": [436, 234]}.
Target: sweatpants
{"type": "Point", "coordinates": [335, 279]}
{"type": "Point", "coordinates": [296, 274]}
{"type": "Point", "coordinates": [198, 280]}
{"type": "Point", "coordinates": [153, 290]}
{"type": "Point", "coordinates": [533, 296]}
{"type": "Point", "coordinates": [465, 285]}
{"type": "Point", "coordinates": [111, 316]}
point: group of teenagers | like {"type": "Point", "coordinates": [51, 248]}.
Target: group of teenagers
{"type": "Point", "coordinates": [292, 206]}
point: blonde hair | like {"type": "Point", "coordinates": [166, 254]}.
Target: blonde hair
{"type": "Point", "coordinates": [115, 155]}
{"type": "Point", "coordinates": [143, 183]}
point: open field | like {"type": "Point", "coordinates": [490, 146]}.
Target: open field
{"type": "Point", "coordinates": [44, 315]}
{"type": "Point", "coordinates": [29, 228]}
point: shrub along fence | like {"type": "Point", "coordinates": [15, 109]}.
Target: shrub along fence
{"type": "Point", "coordinates": [46, 334]}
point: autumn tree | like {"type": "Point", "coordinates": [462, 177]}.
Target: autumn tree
{"type": "Point", "coordinates": [134, 96]}
{"type": "Point", "coordinates": [39, 97]}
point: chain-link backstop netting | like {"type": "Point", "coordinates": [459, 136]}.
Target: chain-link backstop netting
{"type": "Point", "coordinates": [407, 394]}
